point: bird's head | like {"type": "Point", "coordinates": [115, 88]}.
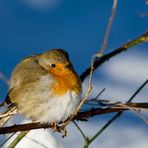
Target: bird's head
{"type": "Point", "coordinates": [56, 61]}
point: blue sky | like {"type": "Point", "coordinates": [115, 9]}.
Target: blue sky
{"type": "Point", "coordinates": [78, 26]}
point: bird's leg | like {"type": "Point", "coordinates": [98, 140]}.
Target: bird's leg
{"type": "Point", "coordinates": [62, 129]}
{"type": "Point", "coordinates": [64, 132]}
{"type": "Point", "coordinates": [54, 126]}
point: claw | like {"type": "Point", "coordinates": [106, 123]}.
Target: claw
{"type": "Point", "coordinates": [64, 132]}
{"type": "Point", "coordinates": [61, 129]}
{"type": "Point", "coordinates": [54, 126]}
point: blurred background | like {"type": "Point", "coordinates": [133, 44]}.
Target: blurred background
{"type": "Point", "coordinates": [33, 26]}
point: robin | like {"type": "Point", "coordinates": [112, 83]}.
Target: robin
{"type": "Point", "coordinates": [45, 87]}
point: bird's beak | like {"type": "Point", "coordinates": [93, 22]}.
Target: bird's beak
{"type": "Point", "coordinates": [62, 69]}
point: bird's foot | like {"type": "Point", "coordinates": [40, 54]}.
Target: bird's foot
{"type": "Point", "coordinates": [54, 126]}
{"type": "Point", "coordinates": [61, 129]}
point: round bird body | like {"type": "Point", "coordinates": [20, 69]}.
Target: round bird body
{"type": "Point", "coordinates": [45, 87]}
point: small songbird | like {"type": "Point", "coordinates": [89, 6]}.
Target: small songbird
{"type": "Point", "coordinates": [45, 87]}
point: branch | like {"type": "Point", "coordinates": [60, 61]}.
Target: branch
{"type": "Point", "coordinates": [140, 39]}
{"type": "Point", "coordinates": [97, 111]}
{"type": "Point", "coordinates": [82, 116]}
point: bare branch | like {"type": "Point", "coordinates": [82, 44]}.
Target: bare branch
{"type": "Point", "coordinates": [82, 116]}
{"type": "Point", "coordinates": [138, 40]}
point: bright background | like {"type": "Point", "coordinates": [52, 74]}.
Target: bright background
{"type": "Point", "coordinates": [78, 26]}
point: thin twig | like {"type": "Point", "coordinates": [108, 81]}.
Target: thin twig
{"type": "Point", "coordinates": [101, 51]}
{"type": "Point", "coordinates": [104, 127]}
{"type": "Point", "coordinates": [121, 105]}
{"type": "Point", "coordinates": [138, 90]}
{"type": "Point", "coordinates": [86, 139]}
{"type": "Point", "coordinates": [134, 110]}
{"type": "Point", "coordinates": [89, 102]}
{"type": "Point", "coordinates": [80, 130]}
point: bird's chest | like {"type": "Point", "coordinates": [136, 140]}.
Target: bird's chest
{"type": "Point", "coordinates": [61, 87]}
{"type": "Point", "coordinates": [65, 83]}
{"type": "Point", "coordinates": [59, 108]}
{"type": "Point", "coordinates": [59, 101]}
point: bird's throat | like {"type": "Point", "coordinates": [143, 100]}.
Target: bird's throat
{"type": "Point", "coordinates": [66, 83]}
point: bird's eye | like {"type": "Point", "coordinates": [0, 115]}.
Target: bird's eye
{"type": "Point", "coordinates": [53, 65]}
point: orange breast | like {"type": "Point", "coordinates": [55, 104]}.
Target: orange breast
{"type": "Point", "coordinates": [66, 83]}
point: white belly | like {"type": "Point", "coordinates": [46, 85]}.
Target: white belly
{"type": "Point", "coordinates": [59, 108]}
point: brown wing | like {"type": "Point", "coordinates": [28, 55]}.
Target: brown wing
{"type": "Point", "coordinates": [24, 74]}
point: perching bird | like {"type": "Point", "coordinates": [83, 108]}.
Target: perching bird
{"type": "Point", "coordinates": [45, 87]}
